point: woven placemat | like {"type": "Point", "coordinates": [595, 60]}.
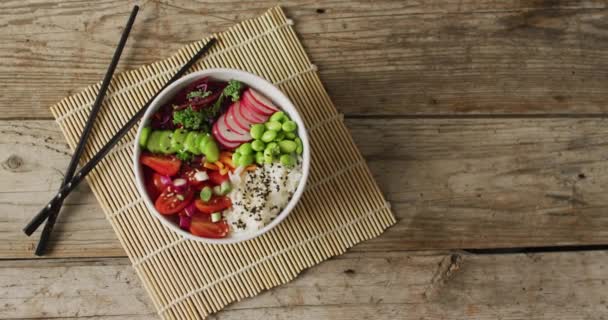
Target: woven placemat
{"type": "Point", "coordinates": [341, 206]}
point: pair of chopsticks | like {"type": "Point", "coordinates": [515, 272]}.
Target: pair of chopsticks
{"type": "Point", "coordinates": [72, 177]}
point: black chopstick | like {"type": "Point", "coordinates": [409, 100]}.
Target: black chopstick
{"type": "Point", "coordinates": [86, 169]}
{"type": "Point", "coordinates": [52, 216]}
{"type": "Point", "coordinates": [37, 221]}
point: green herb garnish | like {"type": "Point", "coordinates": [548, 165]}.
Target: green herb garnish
{"type": "Point", "coordinates": [188, 118]}
{"type": "Point", "coordinates": [184, 155]}
{"type": "Point", "coordinates": [198, 94]}
{"type": "Point", "coordinates": [233, 90]}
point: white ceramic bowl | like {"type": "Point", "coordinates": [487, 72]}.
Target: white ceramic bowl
{"type": "Point", "coordinates": [264, 87]}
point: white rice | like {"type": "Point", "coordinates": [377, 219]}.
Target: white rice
{"type": "Point", "coordinates": [260, 195]}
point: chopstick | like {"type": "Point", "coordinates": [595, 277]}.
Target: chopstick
{"type": "Point", "coordinates": [86, 169]}
{"type": "Point", "coordinates": [38, 220]}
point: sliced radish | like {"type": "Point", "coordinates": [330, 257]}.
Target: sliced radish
{"type": "Point", "coordinates": [223, 143]}
{"type": "Point", "coordinates": [248, 114]}
{"type": "Point", "coordinates": [233, 123]}
{"type": "Point", "coordinates": [259, 98]}
{"type": "Point", "coordinates": [236, 113]}
{"type": "Point", "coordinates": [258, 107]}
{"type": "Point", "coordinates": [255, 107]}
{"type": "Point", "coordinates": [230, 135]}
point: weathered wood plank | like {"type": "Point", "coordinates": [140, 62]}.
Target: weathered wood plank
{"type": "Point", "coordinates": [385, 57]}
{"type": "Point", "coordinates": [395, 285]}
{"type": "Point", "coordinates": [452, 183]}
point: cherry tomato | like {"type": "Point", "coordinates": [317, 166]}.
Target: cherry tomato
{"type": "Point", "coordinates": [165, 165]}
{"type": "Point", "coordinates": [216, 177]}
{"type": "Point", "coordinates": [202, 226]}
{"type": "Point", "coordinates": [170, 202]}
{"type": "Point", "coordinates": [150, 181]}
{"type": "Point", "coordinates": [216, 204]}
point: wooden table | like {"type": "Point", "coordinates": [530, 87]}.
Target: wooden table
{"type": "Point", "coordinates": [482, 121]}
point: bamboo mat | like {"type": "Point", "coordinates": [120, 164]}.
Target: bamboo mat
{"type": "Point", "coordinates": [341, 206]}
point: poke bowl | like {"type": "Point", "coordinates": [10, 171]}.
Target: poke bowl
{"type": "Point", "coordinates": [221, 156]}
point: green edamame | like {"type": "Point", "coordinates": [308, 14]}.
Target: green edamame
{"type": "Point", "coordinates": [280, 136]}
{"type": "Point", "coordinates": [268, 159]}
{"type": "Point", "coordinates": [287, 160]}
{"type": "Point", "coordinates": [299, 145]}
{"type": "Point", "coordinates": [259, 157]}
{"type": "Point", "coordinates": [290, 135]}
{"type": "Point", "coordinates": [257, 130]}
{"type": "Point", "coordinates": [268, 136]}
{"type": "Point", "coordinates": [278, 116]}
{"type": "Point", "coordinates": [258, 145]}
{"type": "Point", "coordinates": [245, 148]}
{"type": "Point", "coordinates": [289, 126]}
{"type": "Point", "coordinates": [273, 125]}
{"type": "Point", "coordinates": [236, 158]}
{"type": "Point", "coordinates": [287, 146]}
{"type": "Point", "coordinates": [272, 149]}
{"type": "Point", "coordinates": [245, 160]}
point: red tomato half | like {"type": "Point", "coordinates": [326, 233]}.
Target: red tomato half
{"type": "Point", "coordinates": [170, 202]}
{"type": "Point", "coordinates": [202, 226]}
{"type": "Point", "coordinates": [150, 181]}
{"type": "Point", "coordinates": [216, 204]}
{"type": "Point", "coordinates": [165, 165]}
{"type": "Point", "coordinates": [216, 177]}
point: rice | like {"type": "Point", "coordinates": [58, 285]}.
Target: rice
{"type": "Point", "coordinates": [260, 195]}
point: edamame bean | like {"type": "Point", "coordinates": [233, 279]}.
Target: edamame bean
{"type": "Point", "coordinates": [289, 126]}
{"type": "Point", "coordinates": [299, 145]}
{"type": "Point", "coordinates": [287, 160]}
{"type": "Point", "coordinates": [278, 116]}
{"type": "Point", "coordinates": [245, 148]}
{"type": "Point", "coordinates": [290, 135]}
{"type": "Point", "coordinates": [268, 158]}
{"type": "Point", "coordinates": [273, 149]}
{"type": "Point", "coordinates": [211, 151]}
{"type": "Point", "coordinates": [259, 157]}
{"type": "Point", "coordinates": [245, 160]}
{"type": "Point", "coordinates": [273, 125]}
{"type": "Point", "coordinates": [280, 136]}
{"type": "Point", "coordinates": [257, 130]}
{"type": "Point", "coordinates": [236, 158]}
{"type": "Point", "coordinates": [258, 145]}
{"type": "Point", "coordinates": [287, 146]}
{"type": "Point", "coordinates": [268, 136]}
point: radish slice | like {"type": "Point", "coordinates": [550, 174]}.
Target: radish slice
{"type": "Point", "coordinates": [248, 115]}
{"type": "Point", "coordinates": [232, 122]}
{"type": "Point", "coordinates": [230, 135]}
{"type": "Point", "coordinates": [253, 107]}
{"type": "Point", "coordinates": [265, 102]}
{"type": "Point", "coordinates": [223, 143]}
{"type": "Point", "coordinates": [240, 121]}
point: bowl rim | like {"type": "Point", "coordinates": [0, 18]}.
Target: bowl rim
{"type": "Point", "coordinates": [264, 87]}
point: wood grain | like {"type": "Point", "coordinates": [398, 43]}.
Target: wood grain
{"type": "Point", "coordinates": [453, 184]}
{"type": "Point", "coordinates": [396, 285]}
{"type": "Point", "coordinates": [385, 57]}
